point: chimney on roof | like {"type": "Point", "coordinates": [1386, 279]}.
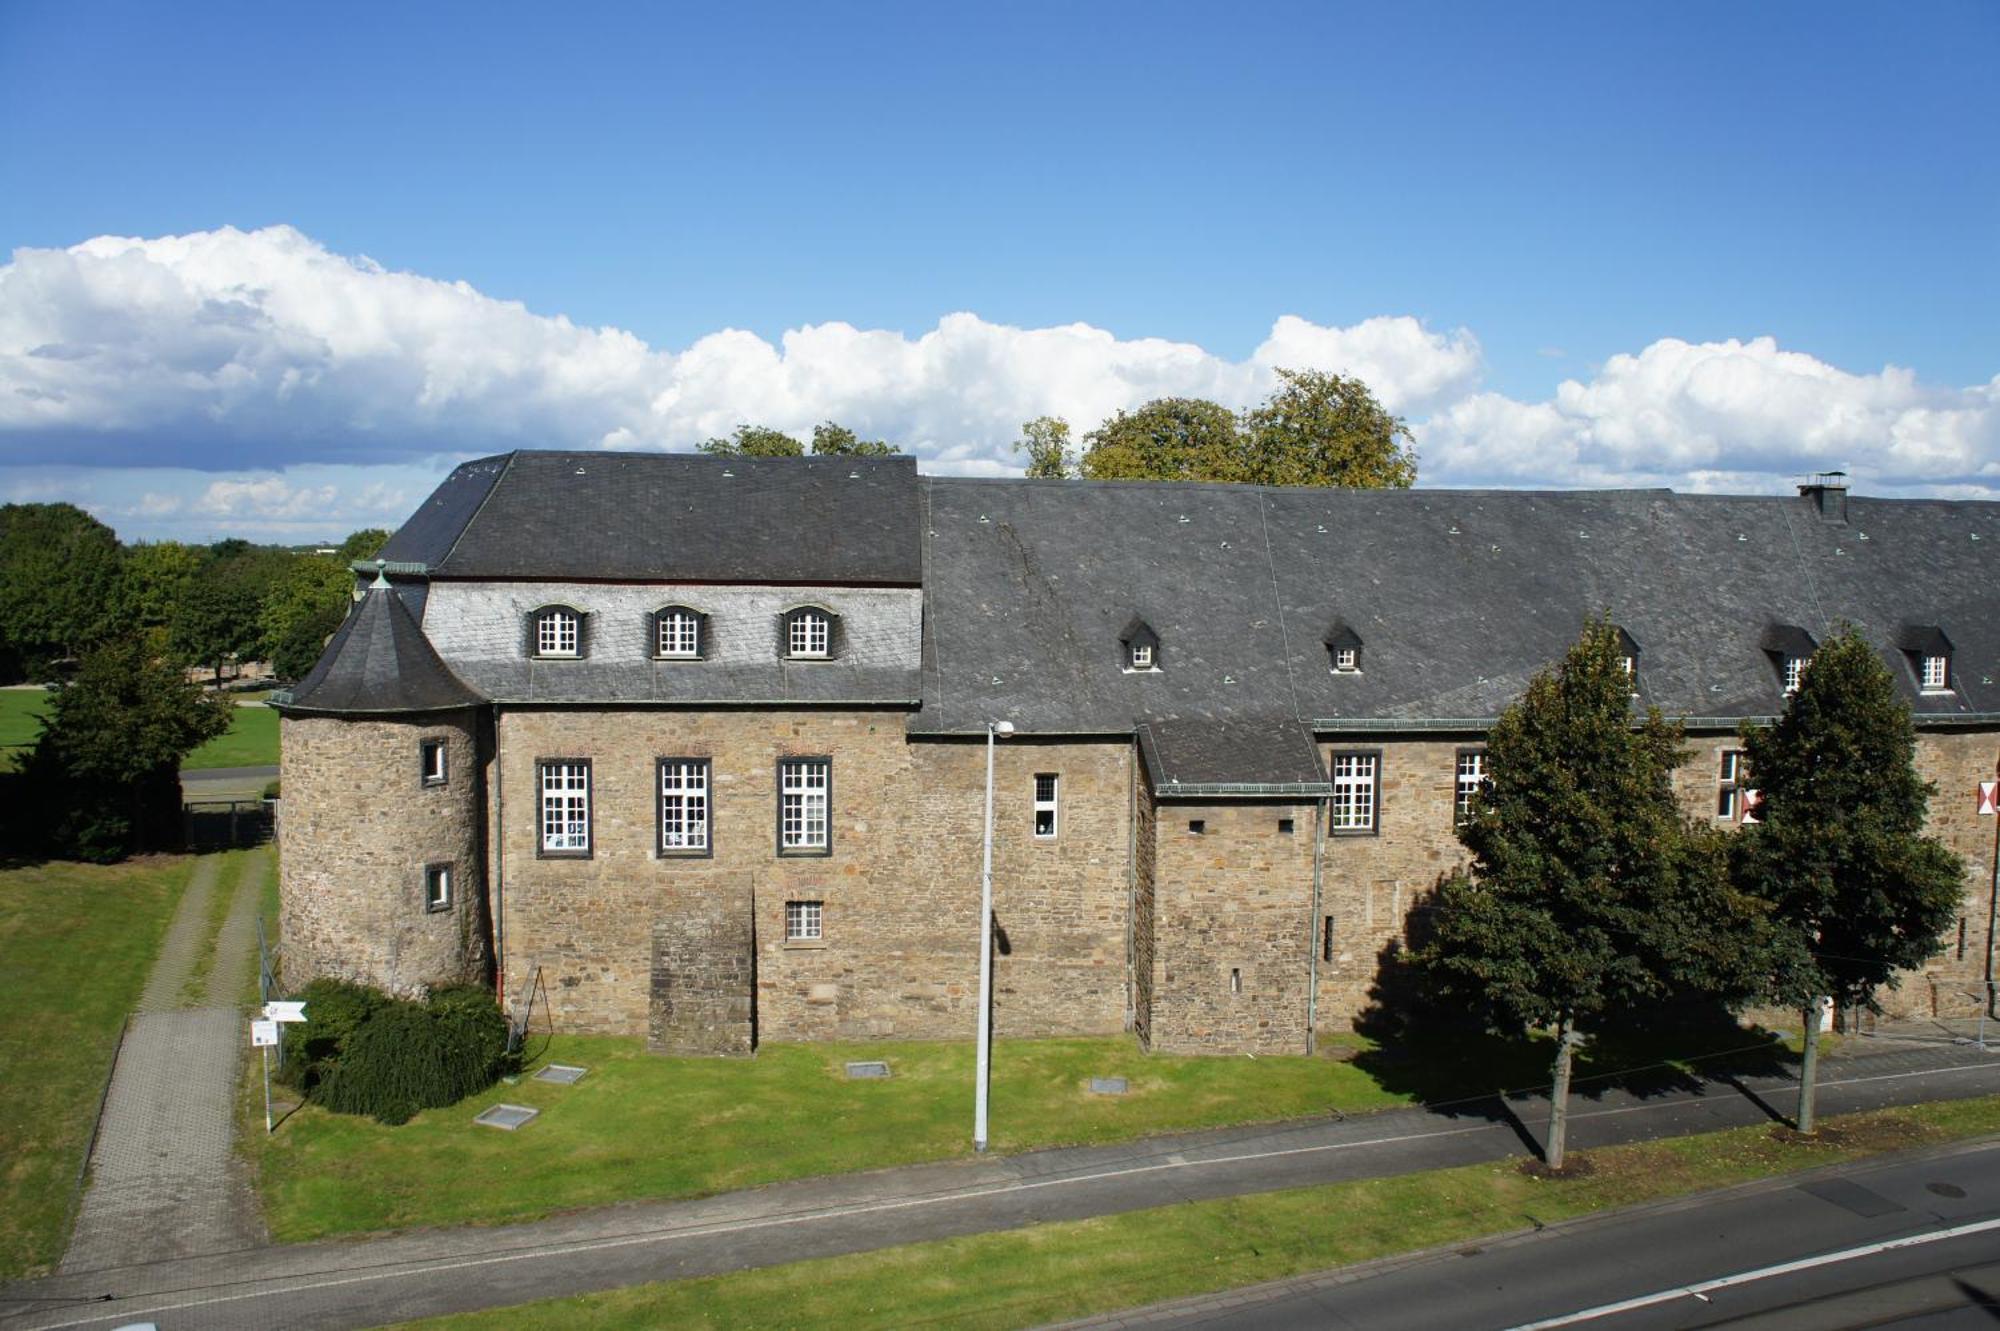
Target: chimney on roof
{"type": "Point", "coordinates": [1828, 492]}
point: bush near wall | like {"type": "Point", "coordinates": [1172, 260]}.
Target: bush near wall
{"type": "Point", "coordinates": [360, 1051]}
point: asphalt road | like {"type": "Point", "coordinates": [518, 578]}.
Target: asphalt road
{"type": "Point", "coordinates": [369, 1282]}
{"type": "Point", "coordinates": [1912, 1242]}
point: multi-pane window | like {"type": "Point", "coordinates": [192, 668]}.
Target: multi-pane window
{"type": "Point", "coordinates": [1729, 784]}
{"type": "Point", "coordinates": [683, 805]}
{"type": "Point", "coordinates": [803, 787]}
{"type": "Point", "coordinates": [804, 922]}
{"type": "Point", "coordinates": [437, 887]}
{"type": "Point", "coordinates": [1795, 673]}
{"type": "Point", "coordinates": [1045, 804]}
{"type": "Point", "coordinates": [565, 808]}
{"type": "Point", "coordinates": [1142, 656]}
{"type": "Point", "coordinates": [432, 761]}
{"type": "Point", "coordinates": [1354, 791]}
{"type": "Point", "coordinates": [1937, 672]}
{"type": "Point", "coordinates": [555, 633]}
{"type": "Point", "coordinates": [1471, 774]}
{"type": "Point", "coordinates": [810, 633]}
{"type": "Point", "coordinates": [680, 633]}
{"type": "Point", "coordinates": [1347, 659]}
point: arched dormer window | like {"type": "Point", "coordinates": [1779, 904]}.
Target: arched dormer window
{"type": "Point", "coordinates": [1139, 646]}
{"type": "Point", "coordinates": [680, 633]}
{"type": "Point", "coordinates": [1929, 654]}
{"type": "Point", "coordinates": [557, 632]}
{"type": "Point", "coordinates": [1343, 649]}
{"type": "Point", "coordinates": [809, 633]}
{"type": "Point", "coordinates": [1790, 649]}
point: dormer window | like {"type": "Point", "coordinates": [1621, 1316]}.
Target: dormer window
{"type": "Point", "coordinates": [555, 631]}
{"type": "Point", "coordinates": [808, 633]}
{"type": "Point", "coordinates": [1790, 648]}
{"type": "Point", "coordinates": [1937, 673]}
{"type": "Point", "coordinates": [678, 633]}
{"type": "Point", "coordinates": [1141, 646]}
{"type": "Point", "coordinates": [1628, 659]}
{"type": "Point", "coordinates": [1343, 646]}
{"type": "Point", "coordinates": [1795, 672]}
{"type": "Point", "coordinates": [1929, 653]}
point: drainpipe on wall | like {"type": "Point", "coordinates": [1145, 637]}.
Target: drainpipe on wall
{"type": "Point", "coordinates": [1312, 932]}
{"type": "Point", "coordinates": [1131, 885]}
{"type": "Point", "coordinates": [499, 876]}
{"type": "Point", "coordinates": [1993, 909]}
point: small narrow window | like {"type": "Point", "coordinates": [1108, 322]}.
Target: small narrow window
{"type": "Point", "coordinates": [1937, 673]}
{"type": "Point", "coordinates": [1142, 656]}
{"type": "Point", "coordinates": [556, 633]}
{"type": "Point", "coordinates": [1197, 826]}
{"type": "Point", "coordinates": [1354, 791]}
{"type": "Point", "coordinates": [437, 887]}
{"type": "Point", "coordinates": [679, 634]}
{"type": "Point", "coordinates": [805, 788]}
{"type": "Point", "coordinates": [1326, 939]}
{"type": "Point", "coordinates": [565, 807]}
{"type": "Point", "coordinates": [683, 806]}
{"type": "Point", "coordinates": [1729, 785]}
{"type": "Point", "coordinates": [1471, 776]}
{"type": "Point", "coordinates": [433, 762]}
{"type": "Point", "coordinates": [1285, 826]}
{"type": "Point", "coordinates": [1235, 980]}
{"type": "Point", "coordinates": [1045, 804]}
{"type": "Point", "coordinates": [804, 922]}
{"type": "Point", "coordinates": [1961, 938]}
{"type": "Point", "coordinates": [1795, 673]}
{"type": "Point", "coordinates": [810, 635]}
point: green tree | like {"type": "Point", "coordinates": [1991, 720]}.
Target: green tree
{"type": "Point", "coordinates": [1587, 894]}
{"type": "Point", "coordinates": [1045, 439]}
{"type": "Point", "coordinates": [218, 615]}
{"type": "Point", "coordinates": [754, 441]}
{"type": "Point", "coordinates": [1857, 891]}
{"type": "Point", "coordinates": [363, 544]}
{"type": "Point", "coordinates": [157, 576]}
{"type": "Point", "coordinates": [839, 441]}
{"type": "Point", "coordinates": [105, 772]}
{"type": "Point", "coordinates": [60, 584]}
{"type": "Point", "coordinates": [1326, 429]}
{"type": "Point", "coordinates": [1172, 439]}
{"type": "Point", "coordinates": [302, 610]}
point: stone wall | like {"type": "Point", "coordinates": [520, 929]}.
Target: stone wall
{"type": "Point", "coordinates": [360, 827]}
{"type": "Point", "coordinates": [900, 890]}
{"type": "Point", "coordinates": [1144, 925]}
{"type": "Point", "coordinates": [705, 971]}
{"type": "Point", "coordinates": [1956, 762]}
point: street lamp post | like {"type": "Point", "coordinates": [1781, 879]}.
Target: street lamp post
{"type": "Point", "coordinates": [982, 1075]}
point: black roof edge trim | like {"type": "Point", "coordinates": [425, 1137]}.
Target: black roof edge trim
{"type": "Point", "coordinates": [1245, 790]}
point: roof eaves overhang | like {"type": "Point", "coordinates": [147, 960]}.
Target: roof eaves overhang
{"type": "Point", "coordinates": [1243, 790]}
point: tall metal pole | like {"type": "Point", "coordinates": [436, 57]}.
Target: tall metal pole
{"type": "Point", "coordinates": [985, 1063]}
{"type": "Point", "coordinates": [1993, 908]}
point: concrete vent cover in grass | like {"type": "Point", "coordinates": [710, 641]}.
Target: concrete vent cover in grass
{"type": "Point", "coordinates": [1107, 1086]}
{"type": "Point", "coordinates": [563, 1074]}
{"type": "Point", "coordinates": [859, 1071]}
{"type": "Point", "coordinates": [507, 1117]}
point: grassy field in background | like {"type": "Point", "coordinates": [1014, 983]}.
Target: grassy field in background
{"type": "Point", "coordinates": [76, 942]}
{"type": "Point", "coordinates": [252, 740]}
{"type": "Point", "coordinates": [642, 1125]}
{"type": "Point", "coordinates": [20, 718]}
{"type": "Point", "coordinates": [1052, 1272]}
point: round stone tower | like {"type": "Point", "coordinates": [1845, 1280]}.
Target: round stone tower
{"type": "Point", "coordinates": [381, 851]}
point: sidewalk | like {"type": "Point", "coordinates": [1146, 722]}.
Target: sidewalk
{"type": "Point", "coordinates": [371, 1281]}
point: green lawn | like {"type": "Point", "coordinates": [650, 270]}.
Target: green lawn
{"type": "Point", "coordinates": [252, 740]}
{"type": "Point", "coordinates": [1054, 1272]}
{"type": "Point", "coordinates": [76, 942]}
{"type": "Point", "coordinates": [20, 718]}
{"type": "Point", "coordinates": [641, 1125]}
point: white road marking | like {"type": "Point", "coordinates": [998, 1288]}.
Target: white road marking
{"type": "Point", "coordinates": [1702, 1290]}
{"type": "Point", "coordinates": [136, 1307]}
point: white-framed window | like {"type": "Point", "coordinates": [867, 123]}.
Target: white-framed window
{"type": "Point", "coordinates": [437, 887]}
{"type": "Point", "coordinates": [1471, 774]}
{"type": "Point", "coordinates": [683, 806]}
{"type": "Point", "coordinates": [1729, 784]}
{"type": "Point", "coordinates": [1354, 785]}
{"type": "Point", "coordinates": [810, 634]}
{"type": "Point", "coordinates": [565, 801]}
{"type": "Point", "coordinates": [805, 922]}
{"type": "Point", "coordinates": [805, 787]}
{"type": "Point", "coordinates": [679, 634]}
{"type": "Point", "coordinates": [1937, 673]}
{"type": "Point", "coordinates": [1347, 659]}
{"type": "Point", "coordinates": [1142, 656]}
{"type": "Point", "coordinates": [431, 761]}
{"type": "Point", "coordinates": [1045, 804]}
{"type": "Point", "coordinates": [1795, 672]}
{"type": "Point", "coordinates": [556, 633]}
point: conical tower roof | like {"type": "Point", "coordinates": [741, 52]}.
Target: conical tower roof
{"type": "Point", "coordinates": [378, 663]}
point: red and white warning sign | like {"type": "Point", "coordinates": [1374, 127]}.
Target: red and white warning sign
{"type": "Point", "coordinates": [1989, 798]}
{"type": "Point", "coordinates": [1753, 800]}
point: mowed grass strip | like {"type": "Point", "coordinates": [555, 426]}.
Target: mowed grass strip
{"type": "Point", "coordinates": [1071, 1269]}
{"type": "Point", "coordinates": [250, 741]}
{"type": "Point", "coordinates": [642, 1125]}
{"type": "Point", "coordinates": [20, 720]}
{"type": "Point", "coordinates": [76, 943]}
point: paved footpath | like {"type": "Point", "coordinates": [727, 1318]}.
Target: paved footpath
{"type": "Point", "coordinates": [363, 1283]}
{"type": "Point", "coordinates": [165, 1181]}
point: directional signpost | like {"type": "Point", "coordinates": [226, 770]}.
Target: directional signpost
{"type": "Point", "coordinates": [264, 1034]}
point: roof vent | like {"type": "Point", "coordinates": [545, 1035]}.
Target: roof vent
{"type": "Point", "coordinates": [1828, 492]}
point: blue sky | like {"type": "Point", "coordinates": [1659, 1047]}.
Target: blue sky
{"type": "Point", "coordinates": [1553, 187]}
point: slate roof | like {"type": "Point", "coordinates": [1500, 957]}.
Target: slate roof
{"type": "Point", "coordinates": [671, 516]}
{"type": "Point", "coordinates": [1460, 596]}
{"type": "Point", "coordinates": [377, 663]}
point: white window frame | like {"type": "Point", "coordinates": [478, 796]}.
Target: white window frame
{"type": "Point", "coordinates": [1047, 805]}
{"type": "Point", "coordinates": [1142, 656]}
{"type": "Point", "coordinates": [563, 802]}
{"type": "Point", "coordinates": [805, 921]}
{"type": "Point", "coordinates": [437, 887]}
{"type": "Point", "coordinates": [678, 635]}
{"type": "Point", "coordinates": [1469, 775]}
{"type": "Point", "coordinates": [1356, 785]}
{"type": "Point", "coordinates": [805, 806]}
{"type": "Point", "coordinates": [433, 775]}
{"type": "Point", "coordinates": [1347, 660]}
{"type": "Point", "coordinates": [558, 632]}
{"type": "Point", "coordinates": [1937, 674]}
{"type": "Point", "coordinates": [684, 806]}
{"type": "Point", "coordinates": [809, 635]}
{"type": "Point", "coordinates": [1729, 785]}
{"type": "Point", "coordinates": [1795, 672]}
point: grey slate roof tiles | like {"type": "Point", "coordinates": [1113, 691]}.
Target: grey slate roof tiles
{"type": "Point", "coordinates": [379, 662]}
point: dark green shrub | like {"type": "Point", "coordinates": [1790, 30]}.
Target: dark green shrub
{"type": "Point", "coordinates": [469, 1018]}
{"type": "Point", "coordinates": [363, 1052]}
{"type": "Point", "coordinates": [335, 1009]}
{"type": "Point", "coordinates": [394, 1065]}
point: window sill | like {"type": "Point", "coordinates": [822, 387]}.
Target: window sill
{"type": "Point", "coordinates": [689, 853]}
{"type": "Point", "coordinates": [434, 783]}
{"type": "Point", "coordinates": [805, 944]}
{"type": "Point", "coordinates": [1353, 831]}
{"type": "Point", "coordinates": [542, 656]}
{"type": "Point", "coordinates": [804, 852]}
{"type": "Point", "coordinates": [677, 656]}
{"type": "Point", "coordinates": [1143, 670]}
{"type": "Point", "coordinates": [437, 908]}
{"type": "Point", "coordinates": [543, 853]}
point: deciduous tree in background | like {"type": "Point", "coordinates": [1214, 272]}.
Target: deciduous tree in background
{"type": "Point", "coordinates": [1856, 890]}
{"type": "Point", "coordinates": [302, 610]}
{"type": "Point", "coordinates": [828, 439]}
{"type": "Point", "coordinates": [1326, 429]}
{"type": "Point", "coordinates": [1045, 439]}
{"type": "Point", "coordinates": [1172, 439]}
{"type": "Point", "coordinates": [60, 584]}
{"type": "Point", "coordinates": [839, 441]}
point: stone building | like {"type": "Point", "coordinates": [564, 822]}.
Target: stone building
{"type": "Point", "coordinates": [701, 742]}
